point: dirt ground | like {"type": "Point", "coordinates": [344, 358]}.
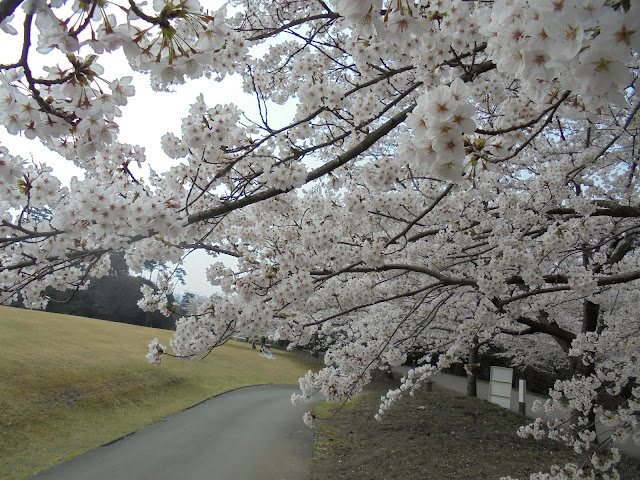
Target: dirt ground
{"type": "Point", "coordinates": [434, 436]}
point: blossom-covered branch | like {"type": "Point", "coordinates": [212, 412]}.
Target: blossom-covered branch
{"type": "Point", "coordinates": [421, 179]}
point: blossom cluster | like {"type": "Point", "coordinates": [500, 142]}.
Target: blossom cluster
{"type": "Point", "coordinates": [584, 45]}
{"type": "Point", "coordinates": [156, 350]}
{"type": "Point", "coordinates": [441, 117]}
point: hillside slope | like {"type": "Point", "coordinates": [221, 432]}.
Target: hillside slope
{"type": "Point", "coordinates": [69, 384]}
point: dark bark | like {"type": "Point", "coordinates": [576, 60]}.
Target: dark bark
{"type": "Point", "coordinates": [472, 371]}
{"type": "Point", "coordinates": [315, 353]}
{"type": "Point", "coordinates": [590, 314]}
{"type": "Point", "coordinates": [7, 7]}
{"type": "Point", "coordinates": [562, 336]}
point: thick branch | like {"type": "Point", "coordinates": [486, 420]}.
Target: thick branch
{"type": "Point", "coordinates": [30, 236]}
{"type": "Point", "coordinates": [608, 209]}
{"type": "Point", "coordinates": [549, 328]}
{"type": "Point", "coordinates": [161, 20]}
{"type": "Point", "coordinates": [601, 281]}
{"type": "Point", "coordinates": [426, 233]}
{"type": "Point", "coordinates": [210, 248]}
{"type": "Point", "coordinates": [621, 249]}
{"type": "Point", "coordinates": [620, 278]}
{"type": "Point", "coordinates": [444, 279]}
{"type": "Point", "coordinates": [293, 23]}
{"type": "Point", "coordinates": [7, 7]}
{"type": "Point", "coordinates": [477, 70]}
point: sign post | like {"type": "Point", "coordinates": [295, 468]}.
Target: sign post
{"type": "Point", "coordinates": [522, 396]}
{"type": "Point", "coordinates": [500, 386]}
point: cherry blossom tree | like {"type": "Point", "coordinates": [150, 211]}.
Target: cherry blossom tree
{"type": "Point", "coordinates": [455, 173]}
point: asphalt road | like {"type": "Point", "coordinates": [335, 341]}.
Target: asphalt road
{"type": "Point", "coordinates": [250, 433]}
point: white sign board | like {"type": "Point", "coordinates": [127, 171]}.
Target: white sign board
{"type": "Point", "coordinates": [500, 386]}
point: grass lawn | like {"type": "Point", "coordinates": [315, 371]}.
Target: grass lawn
{"type": "Point", "coordinates": [69, 384]}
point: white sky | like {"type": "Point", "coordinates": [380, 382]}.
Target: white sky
{"type": "Point", "coordinates": [146, 117]}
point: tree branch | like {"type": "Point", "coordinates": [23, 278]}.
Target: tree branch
{"type": "Point", "coordinates": [524, 144]}
{"type": "Point", "coordinates": [319, 172]}
{"type": "Point", "coordinates": [293, 23]}
{"type": "Point", "coordinates": [608, 209]}
{"type": "Point", "coordinates": [421, 216]}
{"type": "Point", "coordinates": [552, 329]}
{"type": "Point", "coordinates": [7, 7]}
{"type": "Point", "coordinates": [209, 248]}
{"type": "Point", "coordinates": [444, 279]}
{"type": "Point", "coordinates": [359, 307]}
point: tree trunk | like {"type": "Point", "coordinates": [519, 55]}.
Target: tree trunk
{"type": "Point", "coordinates": [314, 346]}
{"type": "Point", "coordinates": [472, 371]}
{"type": "Point", "coordinates": [590, 314]}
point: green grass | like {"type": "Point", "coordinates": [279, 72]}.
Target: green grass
{"type": "Point", "coordinates": [69, 384]}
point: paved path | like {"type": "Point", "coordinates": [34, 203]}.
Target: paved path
{"type": "Point", "coordinates": [250, 433]}
{"type": "Point", "coordinates": [454, 383]}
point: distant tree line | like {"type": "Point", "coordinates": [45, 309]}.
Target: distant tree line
{"type": "Point", "coordinates": [114, 297]}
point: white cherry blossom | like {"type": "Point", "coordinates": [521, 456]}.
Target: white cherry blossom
{"type": "Point", "coordinates": [454, 174]}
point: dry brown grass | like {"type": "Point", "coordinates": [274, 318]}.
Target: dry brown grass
{"type": "Point", "coordinates": [432, 436]}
